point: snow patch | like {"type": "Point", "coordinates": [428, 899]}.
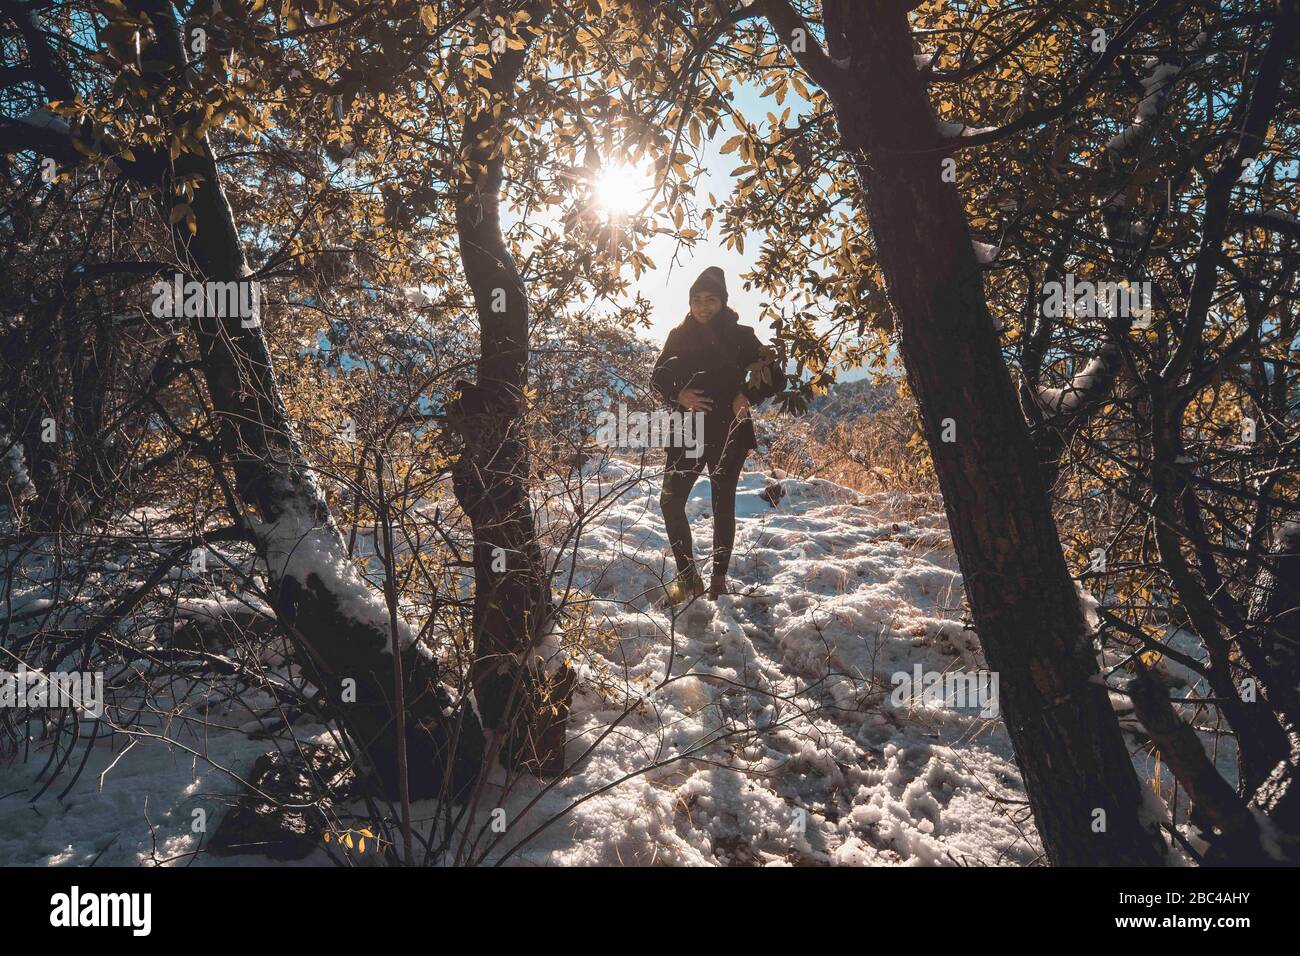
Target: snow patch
{"type": "Point", "coordinates": [957, 130]}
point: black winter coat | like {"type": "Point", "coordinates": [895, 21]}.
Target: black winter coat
{"type": "Point", "coordinates": [714, 357]}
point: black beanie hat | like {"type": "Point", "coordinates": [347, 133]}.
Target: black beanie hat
{"type": "Point", "coordinates": [711, 279]}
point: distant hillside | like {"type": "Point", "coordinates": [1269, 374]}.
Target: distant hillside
{"type": "Point", "coordinates": [848, 400]}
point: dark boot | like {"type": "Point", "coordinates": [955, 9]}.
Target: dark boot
{"type": "Point", "coordinates": [685, 587]}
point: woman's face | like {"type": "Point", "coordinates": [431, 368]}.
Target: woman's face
{"type": "Point", "coordinates": [705, 305]}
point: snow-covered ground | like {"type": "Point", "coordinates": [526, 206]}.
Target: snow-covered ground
{"type": "Point", "coordinates": [758, 729]}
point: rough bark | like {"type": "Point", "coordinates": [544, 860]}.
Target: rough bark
{"type": "Point", "coordinates": [522, 687]}
{"type": "Point", "coordinates": [1275, 606]}
{"type": "Point", "coordinates": [1274, 621]}
{"type": "Point", "coordinates": [1024, 601]}
{"type": "Point", "coordinates": [339, 624]}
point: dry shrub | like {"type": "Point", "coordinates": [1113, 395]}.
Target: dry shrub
{"type": "Point", "coordinates": [880, 449]}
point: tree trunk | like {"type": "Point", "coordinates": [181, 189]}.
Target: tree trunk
{"type": "Point", "coordinates": [522, 686]}
{"type": "Point", "coordinates": [338, 622]}
{"type": "Point", "coordinates": [1275, 605]}
{"type": "Point", "coordinates": [1081, 784]}
{"type": "Point", "coordinates": [1274, 619]}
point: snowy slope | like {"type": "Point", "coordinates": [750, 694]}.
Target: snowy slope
{"type": "Point", "coordinates": [765, 731]}
{"type": "Point", "coordinates": [135, 801]}
{"type": "Point", "coordinates": [757, 729]}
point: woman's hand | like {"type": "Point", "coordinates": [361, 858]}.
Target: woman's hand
{"type": "Point", "coordinates": [694, 400]}
{"type": "Point", "coordinates": [740, 406]}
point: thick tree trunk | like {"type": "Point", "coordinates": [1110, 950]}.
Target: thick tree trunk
{"type": "Point", "coordinates": [522, 686]}
{"type": "Point", "coordinates": [339, 623]}
{"type": "Point", "coordinates": [1081, 784]}
{"type": "Point", "coordinates": [1274, 620]}
{"type": "Point", "coordinates": [1275, 606]}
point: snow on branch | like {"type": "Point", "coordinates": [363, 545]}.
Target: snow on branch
{"type": "Point", "coordinates": [302, 543]}
{"type": "Point", "coordinates": [954, 130]}
{"type": "Point", "coordinates": [13, 470]}
{"type": "Point", "coordinates": [1089, 384]}
{"type": "Point", "coordinates": [1156, 87]}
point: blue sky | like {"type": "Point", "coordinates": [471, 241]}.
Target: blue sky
{"type": "Point", "coordinates": [667, 284]}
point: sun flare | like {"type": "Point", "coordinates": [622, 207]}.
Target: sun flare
{"type": "Point", "coordinates": [621, 189]}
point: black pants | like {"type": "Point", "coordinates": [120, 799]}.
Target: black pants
{"type": "Point", "coordinates": [679, 478]}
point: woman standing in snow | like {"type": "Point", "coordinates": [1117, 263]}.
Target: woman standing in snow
{"type": "Point", "coordinates": [702, 368]}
